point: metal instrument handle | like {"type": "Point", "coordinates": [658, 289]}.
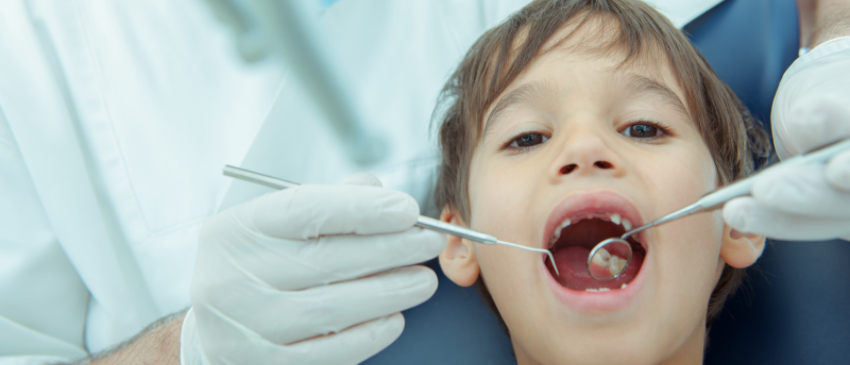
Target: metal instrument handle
{"type": "Point", "coordinates": [717, 198]}
{"type": "Point", "coordinates": [423, 221]}
{"type": "Point", "coordinates": [448, 228]}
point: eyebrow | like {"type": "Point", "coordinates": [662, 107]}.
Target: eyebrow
{"type": "Point", "coordinates": [524, 94]}
{"type": "Point", "coordinates": [636, 85]}
{"type": "Point", "coordinates": [642, 85]}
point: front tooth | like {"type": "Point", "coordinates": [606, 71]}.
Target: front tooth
{"type": "Point", "coordinates": [602, 258]}
{"type": "Point", "coordinates": [623, 286]}
{"type": "Point", "coordinates": [617, 265]}
{"type": "Point", "coordinates": [615, 218]}
{"type": "Point", "coordinates": [591, 290]}
{"type": "Point", "coordinates": [564, 224]}
{"type": "Point", "coordinates": [627, 224]}
{"type": "Point", "coordinates": [604, 289]}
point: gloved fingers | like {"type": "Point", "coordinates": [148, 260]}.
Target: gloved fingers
{"type": "Point", "coordinates": [293, 265]}
{"type": "Point", "coordinates": [286, 317]}
{"type": "Point", "coordinates": [815, 121]}
{"type": "Point", "coordinates": [802, 190]}
{"type": "Point", "coordinates": [338, 258]}
{"type": "Point", "coordinates": [362, 178]}
{"type": "Point", "coordinates": [749, 215]}
{"type": "Point", "coordinates": [351, 346]}
{"type": "Point", "coordinates": [838, 173]}
{"type": "Point", "coordinates": [226, 342]}
{"type": "Point", "coordinates": [310, 211]}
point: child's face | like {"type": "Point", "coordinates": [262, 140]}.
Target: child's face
{"type": "Point", "coordinates": [575, 137]}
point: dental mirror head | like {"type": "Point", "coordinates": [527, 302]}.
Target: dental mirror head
{"type": "Point", "coordinates": [609, 259]}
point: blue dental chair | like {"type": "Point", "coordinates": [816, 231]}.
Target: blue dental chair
{"type": "Point", "coordinates": [793, 309]}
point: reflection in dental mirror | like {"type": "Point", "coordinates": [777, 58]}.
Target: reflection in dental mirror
{"type": "Point", "coordinates": [609, 259]}
{"type": "Point", "coordinates": [602, 255]}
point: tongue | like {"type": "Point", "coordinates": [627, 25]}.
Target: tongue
{"type": "Point", "coordinates": [572, 265]}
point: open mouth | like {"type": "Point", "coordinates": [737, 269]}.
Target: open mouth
{"type": "Point", "coordinates": [572, 241]}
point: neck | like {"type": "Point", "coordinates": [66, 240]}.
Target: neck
{"type": "Point", "coordinates": [692, 350]}
{"type": "Point", "coordinates": [689, 353]}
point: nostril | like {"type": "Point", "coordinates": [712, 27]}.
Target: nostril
{"type": "Point", "coordinates": [568, 169]}
{"type": "Point", "coordinates": [603, 165]}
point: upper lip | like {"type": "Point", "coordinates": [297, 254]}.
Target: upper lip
{"type": "Point", "coordinates": [588, 202]}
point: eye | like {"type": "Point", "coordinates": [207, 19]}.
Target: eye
{"type": "Point", "coordinates": [526, 141]}
{"type": "Point", "coordinates": [644, 130]}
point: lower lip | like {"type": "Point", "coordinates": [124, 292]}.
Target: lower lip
{"type": "Point", "coordinates": [609, 301]}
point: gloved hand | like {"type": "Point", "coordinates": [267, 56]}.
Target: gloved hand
{"type": "Point", "coordinates": [308, 275]}
{"type": "Point", "coordinates": [811, 109]}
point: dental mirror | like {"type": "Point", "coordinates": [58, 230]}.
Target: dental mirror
{"type": "Point", "coordinates": [609, 259]}
{"type": "Point", "coordinates": [601, 262]}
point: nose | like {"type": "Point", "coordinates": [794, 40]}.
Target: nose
{"type": "Point", "coordinates": [585, 152]}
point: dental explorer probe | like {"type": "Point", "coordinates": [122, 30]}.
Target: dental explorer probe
{"type": "Point", "coordinates": [422, 222]}
{"type": "Point", "coordinates": [718, 198]}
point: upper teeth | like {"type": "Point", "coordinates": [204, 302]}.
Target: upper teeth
{"type": "Point", "coordinates": [613, 217]}
{"type": "Point", "coordinates": [558, 229]}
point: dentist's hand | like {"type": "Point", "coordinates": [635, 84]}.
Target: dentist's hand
{"type": "Point", "coordinates": [308, 275]}
{"type": "Point", "coordinates": [811, 109]}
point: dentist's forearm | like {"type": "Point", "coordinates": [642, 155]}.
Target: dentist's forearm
{"type": "Point", "coordinates": [158, 344]}
{"type": "Point", "coordinates": [822, 20]}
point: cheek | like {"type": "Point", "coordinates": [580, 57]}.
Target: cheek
{"type": "Point", "coordinates": [501, 200]}
{"type": "Point", "coordinates": [679, 179]}
{"type": "Point", "coordinates": [689, 248]}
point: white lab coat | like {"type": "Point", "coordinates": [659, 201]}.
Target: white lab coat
{"type": "Point", "coordinates": [117, 117]}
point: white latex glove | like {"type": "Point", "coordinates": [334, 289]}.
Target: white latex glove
{"type": "Point", "coordinates": [811, 109]}
{"type": "Point", "coordinates": [308, 275]}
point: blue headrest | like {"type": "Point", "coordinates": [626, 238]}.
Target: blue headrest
{"type": "Point", "coordinates": [794, 307]}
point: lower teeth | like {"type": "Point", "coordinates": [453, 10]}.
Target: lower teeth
{"type": "Point", "coordinates": [597, 290]}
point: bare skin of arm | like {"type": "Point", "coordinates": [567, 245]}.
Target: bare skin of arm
{"type": "Point", "coordinates": [822, 20]}
{"type": "Point", "coordinates": [158, 344]}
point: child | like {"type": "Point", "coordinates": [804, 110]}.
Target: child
{"type": "Point", "coordinates": [565, 125]}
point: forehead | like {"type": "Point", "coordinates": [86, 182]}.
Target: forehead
{"type": "Point", "coordinates": [592, 50]}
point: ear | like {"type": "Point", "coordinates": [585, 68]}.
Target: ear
{"type": "Point", "coordinates": [458, 259]}
{"type": "Point", "coordinates": [740, 250]}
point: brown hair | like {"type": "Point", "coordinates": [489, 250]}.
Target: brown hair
{"type": "Point", "coordinates": [736, 141]}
